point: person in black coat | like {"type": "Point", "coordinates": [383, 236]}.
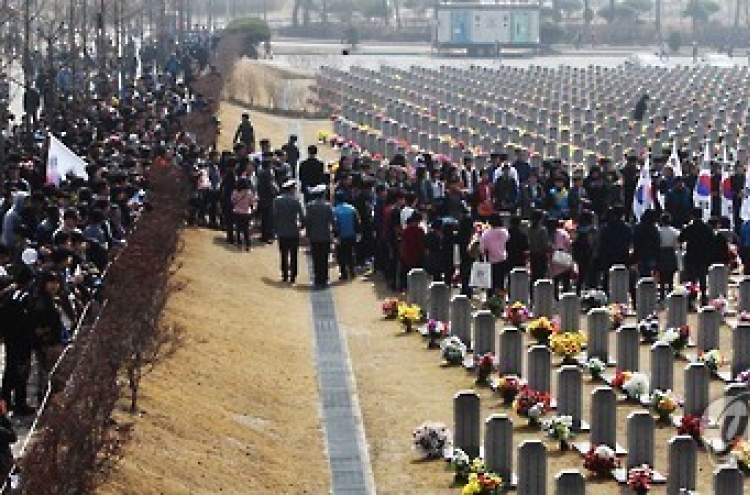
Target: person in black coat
{"type": "Point", "coordinates": [228, 184]}
{"type": "Point", "coordinates": [267, 191]}
{"type": "Point", "coordinates": [19, 339]}
{"type": "Point", "coordinates": [699, 252]}
{"type": "Point", "coordinates": [640, 108]}
{"type": "Point", "coordinates": [311, 172]}
{"type": "Point", "coordinates": [615, 240]}
{"type": "Point", "coordinates": [646, 244]}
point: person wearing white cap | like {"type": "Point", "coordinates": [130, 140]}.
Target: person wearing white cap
{"type": "Point", "coordinates": [319, 223]}
{"type": "Point", "coordinates": [288, 219]}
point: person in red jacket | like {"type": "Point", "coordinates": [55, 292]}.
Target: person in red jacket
{"type": "Point", "coordinates": [411, 248]}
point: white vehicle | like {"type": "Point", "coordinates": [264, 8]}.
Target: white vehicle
{"type": "Point", "coordinates": [716, 60]}
{"type": "Point", "coordinates": [645, 60]}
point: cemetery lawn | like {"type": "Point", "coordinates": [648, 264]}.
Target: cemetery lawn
{"type": "Point", "coordinates": [235, 410]}
{"type": "Point", "coordinates": [402, 384]}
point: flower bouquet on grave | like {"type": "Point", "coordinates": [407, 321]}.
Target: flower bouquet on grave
{"type": "Point", "coordinates": [409, 315]}
{"type": "Point", "coordinates": [508, 387]}
{"type": "Point", "coordinates": [649, 328]}
{"type": "Point", "coordinates": [463, 466]}
{"type": "Point", "coordinates": [600, 460]}
{"type": "Point", "coordinates": [677, 338]}
{"type": "Point", "coordinates": [640, 479]}
{"type": "Point", "coordinates": [691, 290]}
{"type": "Point", "coordinates": [595, 367]}
{"type": "Point", "coordinates": [559, 428]}
{"type": "Point", "coordinates": [390, 308]}
{"type": "Point", "coordinates": [532, 404]}
{"type": "Point", "coordinates": [517, 314]}
{"type": "Point", "coordinates": [636, 386]}
{"type": "Point", "coordinates": [741, 451]}
{"type": "Point", "coordinates": [541, 329]}
{"type": "Point", "coordinates": [483, 484]}
{"type": "Point", "coordinates": [712, 360]}
{"type": "Point", "coordinates": [495, 305]}
{"type": "Point", "coordinates": [567, 345]}
{"type": "Point", "coordinates": [743, 377]}
{"type": "Point", "coordinates": [484, 365]}
{"type": "Point", "coordinates": [720, 304]}
{"type": "Point", "coordinates": [453, 350]}
{"type": "Point", "coordinates": [617, 314]}
{"type": "Point", "coordinates": [692, 425]}
{"type": "Point", "coordinates": [663, 403]}
{"type": "Point", "coordinates": [436, 330]}
{"type": "Point", "coordinates": [432, 440]}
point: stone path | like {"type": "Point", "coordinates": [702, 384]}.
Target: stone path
{"type": "Point", "coordinates": [348, 457]}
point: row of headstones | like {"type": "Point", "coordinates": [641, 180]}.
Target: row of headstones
{"type": "Point", "coordinates": [402, 87]}
{"type": "Point", "coordinates": [531, 478]}
{"type": "Point", "coordinates": [435, 297]}
{"type": "Point", "coordinates": [575, 137]}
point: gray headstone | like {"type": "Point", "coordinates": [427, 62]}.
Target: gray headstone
{"type": "Point", "coordinates": [570, 394]}
{"type": "Point", "coordinates": [539, 368]}
{"type": "Point", "coordinates": [440, 295]}
{"type": "Point", "coordinates": [466, 422]}
{"type": "Point", "coordinates": [709, 323]}
{"type": "Point", "coordinates": [511, 353]}
{"type": "Point", "coordinates": [417, 284]}
{"type": "Point", "coordinates": [640, 439]}
{"type": "Point", "coordinates": [570, 482]}
{"type": "Point", "coordinates": [729, 480]}
{"type": "Point", "coordinates": [598, 334]}
{"type": "Point", "coordinates": [498, 445]}
{"type": "Point", "coordinates": [532, 468]}
{"type": "Point", "coordinates": [544, 298]}
{"type": "Point", "coordinates": [484, 332]}
{"type": "Point", "coordinates": [604, 417]}
{"type": "Point", "coordinates": [740, 348]}
{"type": "Point", "coordinates": [677, 310]}
{"type": "Point", "coordinates": [743, 295]}
{"type": "Point", "coordinates": [646, 298]}
{"type": "Point", "coordinates": [718, 281]}
{"type": "Point", "coordinates": [570, 312]}
{"type": "Point", "coordinates": [697, 378]}
{"type": "Point", "coordinates": [628, 342]}
{"type": "Point", "coordinates": [461, 319]}
{"type": "Point", "coordinates": [619, 281]}
{"type": "Point", "coordinates": [519, 286]}
{"type": "Point", "coordinates": [683, 458]}
{"type": "Point", "coordinates": [662, 366]}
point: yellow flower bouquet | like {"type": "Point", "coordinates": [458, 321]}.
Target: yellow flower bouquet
{"type": "Point", "coordinates": [409, 315]}
{"type": "Point", "coordinates": [567, 344]}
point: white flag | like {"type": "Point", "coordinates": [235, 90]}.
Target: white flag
{"type": "Point", "coordinates": [61, 162]}
{"type": "Point", "coordinates": [674, 161]}
{"type": "Point", "coordinates": [642, 199]}
{"type": "Point", "coordinates": [726, 189]}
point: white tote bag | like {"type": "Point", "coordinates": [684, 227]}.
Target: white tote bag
{"type": "Point", "coordinates": [481, 275]}
{"type": "Point", "coordinates": [562, 259]}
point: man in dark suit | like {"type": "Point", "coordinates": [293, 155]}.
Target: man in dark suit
{"type": "Point", "coordinates": [288, 218]}
{"type": "Point", "coordinates": [267, 190]}
{"type": "Point", "coordinates": [311, 172]}
{"type": "Point", "coordinates": [319, 223]}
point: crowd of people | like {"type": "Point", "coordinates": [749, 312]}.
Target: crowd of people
{"type": "Point", "coordinates": [58, 235]}
{"type": "Point", "coordinates": [569, 225]}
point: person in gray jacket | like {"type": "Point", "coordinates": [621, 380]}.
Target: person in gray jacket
{"type": "Point", "coordinates": [319, 224]}
{"type": "Point", "coordinates": [288, 218]}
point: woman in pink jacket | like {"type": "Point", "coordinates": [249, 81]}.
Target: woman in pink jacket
{"type": "Point", "coordinates": [561, 263]}
{"type": "Point", "coordinates": [243, 203]}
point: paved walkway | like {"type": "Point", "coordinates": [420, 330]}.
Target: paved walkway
{"type": "Point", "coordinates": [348, 457]}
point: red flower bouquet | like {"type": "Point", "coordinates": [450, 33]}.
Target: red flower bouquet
{"type": "Point", "coordinates": [484, 366]}
{"type": "Point", "coordinates": [532, 404]}
{"type": "Point", "coordinates": [692, 425]}
{"type": "Point", "coordinates": [600, 460]}
{"type": "Point", "coordinates": [640, 479]}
